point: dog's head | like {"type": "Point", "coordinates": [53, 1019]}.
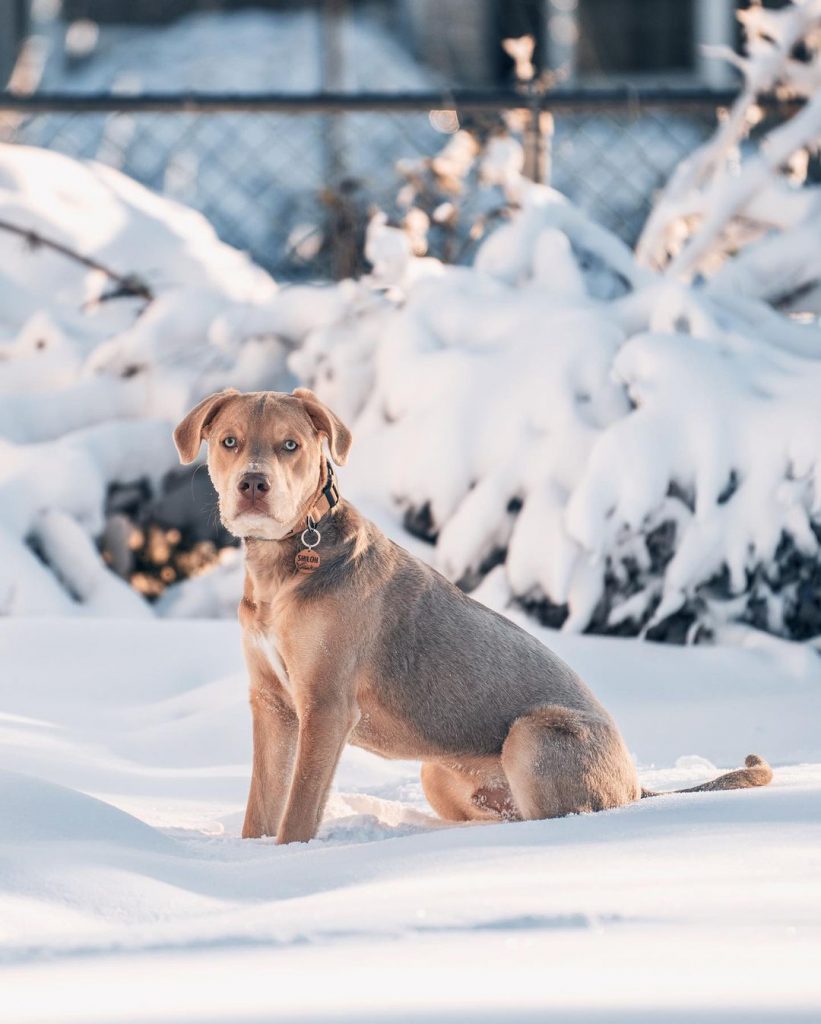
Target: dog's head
{"type": "Point", "coordinates": [264, 455]}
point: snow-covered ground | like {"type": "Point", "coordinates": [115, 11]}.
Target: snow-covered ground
{"type": "Point", "coordinates": [126, 893]}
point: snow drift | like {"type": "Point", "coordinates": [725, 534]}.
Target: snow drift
{"type": "Point", "coordinates": [124, 765]}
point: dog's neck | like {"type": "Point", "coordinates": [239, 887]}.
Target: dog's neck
{"type": "Point", "coordinates": [271, 563]}
{"type": "Point", "coordinates": [324, 500]}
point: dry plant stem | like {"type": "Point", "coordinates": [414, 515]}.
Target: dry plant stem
{"type": "Point", "coordinates": [128, 284]}
{"type": "Point", "coordinates": [704, 169]}
{"type": "Point", "coordinates": [726, 198]}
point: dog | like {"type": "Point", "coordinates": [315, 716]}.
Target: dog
{"type": "Point", "coordinates": [350, 639]}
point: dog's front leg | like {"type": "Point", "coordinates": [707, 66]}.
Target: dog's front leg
{"type": "Point", "coordinates": [324, 727]}
{"type": "Point", "coordinates": [275, 737]}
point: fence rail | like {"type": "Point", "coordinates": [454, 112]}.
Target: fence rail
{"type": "Point", "coordinates": [591, 100]}
{"type": "Point", "coordinates": [291, 177]}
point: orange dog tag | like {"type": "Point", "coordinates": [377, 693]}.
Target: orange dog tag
{"type": "Point", "coordinates": [307, 561]}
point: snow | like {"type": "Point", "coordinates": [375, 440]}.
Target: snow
{"type": "Point", "coordinates": [123, 770]}
{"type": "Point", "coordinates": [234, 51]}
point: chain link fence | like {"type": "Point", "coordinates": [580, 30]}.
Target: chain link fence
{"type": "Point", "coordinates": [292, 180]}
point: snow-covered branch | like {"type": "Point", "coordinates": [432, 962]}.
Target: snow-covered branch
{"type": "Point", "coordinates": [730, 194]}
{"type": "Point", "coordinates": [127, 284]}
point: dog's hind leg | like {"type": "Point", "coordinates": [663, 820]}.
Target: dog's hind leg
{"type": "Point", "coordinates": [559, 761]}
{"type": "Point", "coordinates": [460, 793]}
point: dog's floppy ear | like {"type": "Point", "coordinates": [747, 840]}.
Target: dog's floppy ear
{"type": "Point", "coordinates": [338, 435]}
{"type": "Point", "coordinates": [190, 432]}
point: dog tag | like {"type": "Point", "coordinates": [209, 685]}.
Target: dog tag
{"type": "Point", "coordinates": [307, 561]}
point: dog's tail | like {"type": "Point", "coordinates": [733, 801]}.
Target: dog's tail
{"type": "Point", "coordinates": [756, 773]}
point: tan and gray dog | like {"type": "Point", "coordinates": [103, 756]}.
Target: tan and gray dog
{"type": "Point", "coordinates": [350, 639]}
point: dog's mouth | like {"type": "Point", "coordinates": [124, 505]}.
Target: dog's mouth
{"type": "Point", "coordinates": [260, 510]}
{"type": "Point", "coordinates": [254, 518]}
{"type": "Point", "coordinates": [252, 506]}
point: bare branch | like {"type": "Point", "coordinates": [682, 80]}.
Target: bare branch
{"type": "Point", "coordinates": [127, 284]}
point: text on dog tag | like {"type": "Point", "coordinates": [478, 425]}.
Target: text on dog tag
{"type": "Point", "coordinates": [307, 561]}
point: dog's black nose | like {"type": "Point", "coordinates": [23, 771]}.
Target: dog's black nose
{"type": "Point", "coordinates": [252, 484]}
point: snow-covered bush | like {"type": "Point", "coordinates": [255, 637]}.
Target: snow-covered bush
{"type": "Point", "coordinates": [739, 214]}
{"type": "Point", "coordinates": [639, 447]}
{"type": "Point", "coordinates": [630, 458]}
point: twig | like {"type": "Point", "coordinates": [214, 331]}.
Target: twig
{"type": "Point", "coordinates": [127, 284]}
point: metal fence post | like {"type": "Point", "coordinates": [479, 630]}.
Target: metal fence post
{"type": "Point", "coordinates": [547, 125]}
{"type": "Point", "coordinates": [341, 218]}
{"type": "Point", "coordinates": [534, 140]}
{"type": "Point", "coordinates": [332, 63]}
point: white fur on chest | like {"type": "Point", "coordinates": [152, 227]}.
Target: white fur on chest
{"type": "Point", "coordinates": [267, 644]}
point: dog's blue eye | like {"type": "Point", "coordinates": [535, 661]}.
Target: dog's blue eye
{"type": "Point", "coordinates": [290, 446]}
{"type": "Point", "coordinates": [229, 442]}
